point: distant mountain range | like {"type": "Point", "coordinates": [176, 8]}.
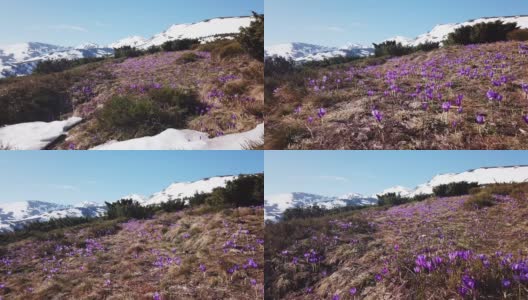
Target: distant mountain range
{"type": "Point", "coordinates": [21, 59]}
{"type": "Point", "coordinates": [15, 215]}
{"type": "Point", "coordinates": [275, 205]}
{"type": "Point", "coordinates": [302, 52]}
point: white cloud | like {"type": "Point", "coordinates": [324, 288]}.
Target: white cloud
{"type": "Point", "coordinates": [64, 187]}
{"type": "Point", "coordinates": [334, 28]}
{"type": "Point", "coordinates": [333, 178]}
{"type": "Point", "coordinates": [67, 27]}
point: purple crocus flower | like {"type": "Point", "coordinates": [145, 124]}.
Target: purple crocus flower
{"type": "Point", "coordinates": [203, 268]}
{"type": "Point", "coordinates": [353, 291]}
{"type": "Point", "coordinates": [459, 99]}
{"type": "Point", "coordinates": [156, 296]}
{"type": "Point", "coordinates": [321, 113]}
{"type": "Point", "coordinates": [481, 119]}
{"type": "Point", "coordinates": [336, 297]}
{"type": "Point", "coordinates": [298, 109]}
{"type": "Point", "coordinates": [446, 106]}
{"type": "Point", "coordinates": [377, 114]}
{"type": "Point", "coordinates": [506, 283]}
{"type": "Point", "coordinates": [253, 282]}
{"type": "Point", "coordinates": [378, 277]}
{"type": "Point", "coordinates": [310, 120]}
{"type": "Point", "coordinates": [525, 118]}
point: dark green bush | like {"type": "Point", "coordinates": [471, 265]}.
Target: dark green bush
{"type": "Point", "coordinates": [454, 189]}
{"type": "Point", "coordinates": [59, 65]}
{"type": "Point", "coordinates": [179, 45]}
{"type": "Point", "coordinates": [171, 205]}
{"type": "Point", "coordinates": [480, 33]}
{"type": "Point", "coordinates": [127, 52]}
{"type": "Point", "coordinates": [198, 199]}
{"type": "Point", "coordinates": [136, 116]}
{"type": "Point", "coordinates": [252, 38]}
{"type": "Point", "coordinates": [37, 100]}
{"type": "Point", "coordinates": [391, 48]}
{"type": "Point", "coordinates": [392, 199]}
{"type": "Point", "coordinates": [128, 208]}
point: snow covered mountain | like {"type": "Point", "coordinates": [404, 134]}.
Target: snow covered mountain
{"type": "Point", "coordinates": [15, 215]}
{"type": "Point", "coordinates": [204, 31]}
{"type": "Point", "coordinates": [440, 32]}
{"type": "Point", "coordinates": [275, 205]}
{"type": "Point", "coordinates": [21, 59]}
{"type": "Point", "coordinates": [302, 52]}
{"type": "Point", "coordinates": [513, 174]}
{"type": "Point", "coordinates": [181, 190]}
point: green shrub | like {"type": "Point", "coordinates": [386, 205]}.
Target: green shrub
{"type": "Point", "coordinates": [35, 100]}
{"type": "Point", "coordinates": [246, 190]}
{"type": "Point", "coordinates": [148, 115]}
{"type": "Point", "coordinates": [179, 45]}
{"type": "Point", "coordinates": [59, 65]}
{"type": "Point", "coordinates": [127, 52]}
{"type": "Point", "coordinates": [480, 200]}
{"type": "Point", "coordinates": [198, 199]}
{"type": "Point", "coordinates": [171, 205]}
{"type": "Point", "coordinates": [518, 35]}
{"type": "Point", "coordinates": [251, 38]}
{"type": "Point", "coordinates": [392, 199]}
{"type": "Point", "coordinates": [128, 208]}
{"type": "Point", "coordinates": [391, 48]}
{"type": "Point", "coordinates": [454, 189]}
{"type": "Point", "coordinates": [278, 65]}
{"type": "Point", "coordinates": [480, 33]}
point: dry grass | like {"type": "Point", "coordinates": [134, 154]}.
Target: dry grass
{"type": "Point", "coordinates": [349, 123]}
{"type": "Point", "coordinates": [352, 248]}
{"type": "Point", "coordinates": [129, 259]}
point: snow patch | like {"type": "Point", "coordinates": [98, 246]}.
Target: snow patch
{"type": "Point", "coordinates": [34, 135]}
{"type": "Point", "coordinates": [175, 139]}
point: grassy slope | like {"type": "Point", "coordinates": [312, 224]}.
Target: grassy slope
{"type": "Point", "coordinates": [349, 123]}
{"type": "Point", "coordinates": [355, 247]}
{"type": "Point", "coordinates": [78, 263]}
{"type": "Point", "coordinates": [114, 77]}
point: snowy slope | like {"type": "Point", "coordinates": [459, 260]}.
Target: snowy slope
{"type": "Point", "coordinates": [34, 135]}
{"type": "Point", "coordinates": [133, 41]}
{"type": "Point", "coordinates": [399, 190]}
{"type": "Point", "coordinates": [204, 31]}
{"type": "Point", "coordinates": [21, 59]}
{"type": "Point", "coordinates": [275, 205]}
{"type": "Point", "coordinates": [180, 190]}
{"type": "Point", "coordinates": [16, 214]}
{"type": "Point", "coordinates": [175, 139]}
{"type": "Point", "coordinates": [481, 176]}
{"type": "Point", "coordinates": [440, 32]}
{"type": "Point", "coordinates": [302, 52]}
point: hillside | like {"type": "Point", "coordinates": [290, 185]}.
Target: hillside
{"type": "Point", "coordinates": [210, 93]}
{"type": "Point", "coordinates": [185, 255]}
{"type": "Point", "coordinates": [21, 59]}
{"type": "Point", "coordinates": [275, 205]}
{"type": "Point", "coordinates": [440, 248]}
{"type": "Point", "coordinates": [457, 97]}
{"type": "Point", "coordinates": [15, 215]}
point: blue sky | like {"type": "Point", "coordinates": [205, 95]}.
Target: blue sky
{"type": "Point", "coordinates": [69, 177]}
{"type": "Point", "coordinates": [71, 22]}
{"type": "Point", "coordinates": [337, 22]}
{"type": "Point", "coordinates": [334, 173]}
